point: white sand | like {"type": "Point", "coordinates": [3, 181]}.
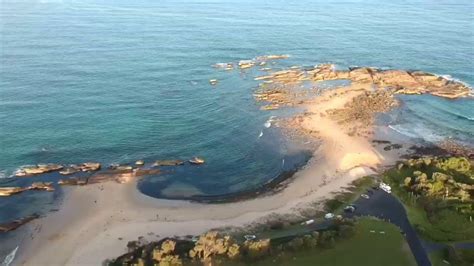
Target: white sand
{"type": "Point", "coordinates": [90, 222]}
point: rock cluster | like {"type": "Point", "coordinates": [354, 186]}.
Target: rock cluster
{"type": "Point", "coordinates": [38, 169]}
{"type": "Point", "coordinates": [290, 76]}
{"type": "Point", "coordinates": [46, 168]}
{"type": "Point", "coordinates": [197, 160]}
{"type": "Point", "coordinates": [168, 163]}
{"type": "Point", "coordinates": [398, 81]}
{"type": "Point", "coordinates": [363, 108]}
{"type": "Point", "coordinates": [143, 172]}
{"type": "Point", "coordinates": [10, 226]}
{"type": "Point", "coordinates": [73, 181]}
{"type": "Point", "coordinates": [456, 149]}
{"type": "Point", "coordinates": [244, 64]}
{"type": "Point", "coordinates": [47, 186]}
{"type": "Point", "coordinates": [8, 191]}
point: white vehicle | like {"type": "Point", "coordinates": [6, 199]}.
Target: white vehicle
{"type": "Point", "coordinates": [385, 187]}
{"type": "Point", "coordinates": [349, 208]}
{"type": "Point", "coordinates": [329, 216]}
{"type": "Point", "coordinates": [250, 237]}
{"type": "Point", "coordinates": [308, 222]}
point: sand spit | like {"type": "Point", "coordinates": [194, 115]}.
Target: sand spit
{"type": "Point", "coordinates": [93, 218]}
{"type": "Point", "coordinates": [96, 221]}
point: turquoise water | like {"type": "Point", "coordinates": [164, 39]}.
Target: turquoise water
{"type": "Point", "coordinates": [118, 81]}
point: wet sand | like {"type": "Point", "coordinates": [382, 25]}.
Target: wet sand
{"type": "Point", "coordinates": [95, 222]}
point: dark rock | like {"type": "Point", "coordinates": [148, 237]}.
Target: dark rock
{"type": "Point", "coordinates": [10, 226]}
{"type": "Point", "coordinates": [168, 163]}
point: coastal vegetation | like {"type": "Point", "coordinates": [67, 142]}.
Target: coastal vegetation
{"type": "Point", "coordinates": [438, 196]}
{"type": "Point", "coordinates": [351, 193]}
{"type": "Point", "coordinates": [323, 247]}
{"type": "Point", "coordinates": [453, 256]}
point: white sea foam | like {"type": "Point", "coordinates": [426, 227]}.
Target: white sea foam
{"type": "Point", "coordinates": [450, 78]}
{"type": "Point", "coordinates": [403, 131]}
{"type": "Point", "coordinates": [10, 257]}
{"type": "Point", "coordinates": [414, 131]}
{"type": "Point", "coordinates": [269, 122]}
{"type": "Point", "coordinates": [461, 115]}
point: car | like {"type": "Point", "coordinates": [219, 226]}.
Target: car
{"type": "Point", "coordinates": [329, 216]}
{"type": "Point", "coordinates": [349, 208]}
{"type": "Point", "coordinates": [250, 237]}
{"type": "Point", "coordinates": [385, 187]}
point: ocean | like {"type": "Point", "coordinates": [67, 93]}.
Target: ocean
{"type": "Point", "coordinates": [119, 81]}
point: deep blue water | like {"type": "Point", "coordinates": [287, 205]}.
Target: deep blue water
{"type": "Point", "coordinates": [118, 81]}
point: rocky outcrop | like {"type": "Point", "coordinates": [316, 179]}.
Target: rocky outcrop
{"type": "Point", "coordinates": [38, 169]}
{"type": "Point", "coordinates": [122, 168]}
{"type": "Point", "coordinates": [48, 186]}
{"type": "Point", "coordinates": [10, 226]}
{"type": "Point", "coordinates": [46, 168]}
{"type": "Point", "coordinates": [73, 181]}
{"type": "Point", "coordinates": [143, 172]}
{"type": "Point", "coordinates": [363, 108]}
{"type": "Point", "coordinates": [244, 64]}
{"type": "Point", "coordinates": [197, 160]}
{"type": "Point", "coordinates": [168, 162]}
{"type": "Point", "coordinates": [70, 170]}
{"type": "Point", "coordinates": [90, 167]}
{"type": "Point", "coordinates": [8, 191]}
{"type": "Point", "coordinates": [398, 81]}
{"type": "Point", "coordinates": [457, 149]}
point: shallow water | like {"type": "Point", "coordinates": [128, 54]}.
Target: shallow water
{"type": "Point", "coordinates": [118, 81]}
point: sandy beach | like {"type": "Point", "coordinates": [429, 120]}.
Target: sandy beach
{"type": "Point", "coordinates": [95, 222]}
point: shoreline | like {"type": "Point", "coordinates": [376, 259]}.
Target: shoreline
{"type": "Point", "coordinates": [95, 222]}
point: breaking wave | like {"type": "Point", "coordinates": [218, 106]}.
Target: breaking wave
{"type": "Point", "coordinates": [417, 132]}
{"type": "Point", "coordinates": [10, 257]}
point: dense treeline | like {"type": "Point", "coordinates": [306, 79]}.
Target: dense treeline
{"type": "Point", "coordinates": [438, 194]}
{"type": "Point", "coordinates": [214, 248]}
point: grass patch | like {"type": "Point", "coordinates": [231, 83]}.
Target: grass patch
{"type": "Point", "coordinates": [359, 186]}
{"type": "Point", "coordinates": [283, 226]}
{"type": "Point", "coordinates": [364, 248]}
